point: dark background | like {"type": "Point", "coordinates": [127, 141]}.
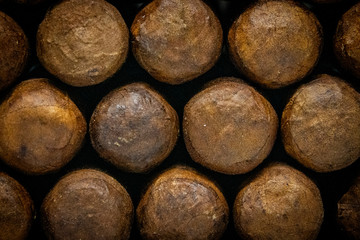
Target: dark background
{"type": "Point", "coordinates": [332, 185]}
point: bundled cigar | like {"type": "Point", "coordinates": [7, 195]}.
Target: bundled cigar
{"type": "Point", "coordinates": [229, 127]}
{"type": "Point", "coordinates": [82, 42]}
{"type": "Point", "coordinates": [29, 2]}
{"type": "Point", "coordinates": [279, 203]}
{"type": "Point", "coordinates": [182, 204]}
{"type": "Point", "coordinates": [176, 41]}
{"type": "Point", "coordinates": [87, 204]}
{"type": "Point", "coordinates": [275, 42]}
{"type": "Point", "coordinates": [16, 209]}
{"type": "Point", "coordinates": [41, 129]}
{"type": "Point", "coordinates": [321, 124]}
{"type": "Point", "coordinates": [346, 41]}
{"type": "Point", "coordinates": [14, 50]}
{"type": "Point", "coordinates": [348, 214]}
{"type": "Point", "coordinates": [326, 1]}
{"type": "Point", "coordinates": [134, 128]}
